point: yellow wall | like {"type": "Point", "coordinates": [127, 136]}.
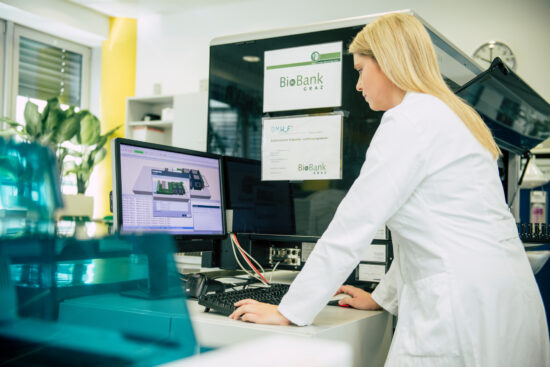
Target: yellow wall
{"type": "Point", "coordinates": [118, 80]}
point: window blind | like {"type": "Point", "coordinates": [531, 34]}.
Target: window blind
{"type": "Point", "coordinates": [46, 71]}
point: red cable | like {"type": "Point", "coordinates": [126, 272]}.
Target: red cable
{"type": "Point", "coordinates": [247, 260]}
{"type": "Point", "coordinates": [243, 254]}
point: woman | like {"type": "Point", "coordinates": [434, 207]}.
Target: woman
{"type": "Point", "coordinates": [460, 280]}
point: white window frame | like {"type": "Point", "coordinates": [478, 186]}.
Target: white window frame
{"type": "Point", "coordinates": [21, 31]}
{"type": "Point", "coordinates": [3, 47]}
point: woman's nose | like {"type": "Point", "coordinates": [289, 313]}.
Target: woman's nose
{"type": "Point", "coordinates": [358, 86]}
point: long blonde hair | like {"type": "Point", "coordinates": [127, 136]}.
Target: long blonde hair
{"type": "Point", "coordinates": [405, 53]}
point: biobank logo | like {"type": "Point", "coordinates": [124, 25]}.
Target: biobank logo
{"type": "Point", "coordinates": [300, 80]}
{"type": "Point", "coordinates": [317, 169]}
{"type": "Point", "coordinates": [306, 81]}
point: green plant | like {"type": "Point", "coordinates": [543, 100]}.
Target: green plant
{"type": "Point", "coordinates": [69, 133]}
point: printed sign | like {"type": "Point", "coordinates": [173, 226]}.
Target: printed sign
{"type": "Point", "coordinates": [302, 148]}
{"type": "Point", "coordinates": [303, 77]}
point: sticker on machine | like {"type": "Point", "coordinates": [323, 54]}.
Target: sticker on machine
{"type": "Point", "coordinates": [371, 272]}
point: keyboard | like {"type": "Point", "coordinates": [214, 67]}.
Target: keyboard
{"type": "Point", "coordinates": [223, 302]}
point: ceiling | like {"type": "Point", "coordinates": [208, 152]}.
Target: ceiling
{"type": "Point", "coordinates": [135, 8]}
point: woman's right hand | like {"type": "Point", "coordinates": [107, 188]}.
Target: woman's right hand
{"type": "Point", "coordinates": [358, 298]}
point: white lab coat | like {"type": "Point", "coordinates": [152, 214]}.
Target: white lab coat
{"type": "Point", "coordinates": [460, 279]}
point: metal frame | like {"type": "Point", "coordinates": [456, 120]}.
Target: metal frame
{"type": "Point", "coordinates": [443, 46]}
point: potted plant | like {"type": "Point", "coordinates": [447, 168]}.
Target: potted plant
{"type": "Point", "coordinates": [69, 133]}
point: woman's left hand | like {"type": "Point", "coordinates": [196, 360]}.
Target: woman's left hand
{"type": "Point", "coordinates": [259, 313]}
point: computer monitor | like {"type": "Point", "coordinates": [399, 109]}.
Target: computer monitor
{"type": "Point", "coordinates": [258, 206]}
{"type": "Point", "coordinates": [517, 115]}
{"type": "Point", "coordinates": [158, 188]}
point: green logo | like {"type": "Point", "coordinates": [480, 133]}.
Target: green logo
{"type": "Point", "coordinates": [315, 56]}
{"type": "Point", "coordinates": [317, 169]}
{"type": "Point", "coordinates": [315, 80]}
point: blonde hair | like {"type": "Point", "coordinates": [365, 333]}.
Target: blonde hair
{"type": "Point", "coordinates": [405, 53]}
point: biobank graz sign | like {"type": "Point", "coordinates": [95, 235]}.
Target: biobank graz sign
{"type": "Point", "coordinates": [303, 77]}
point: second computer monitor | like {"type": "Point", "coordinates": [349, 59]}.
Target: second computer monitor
{"type": "Point", "coordinates": [257, 206]}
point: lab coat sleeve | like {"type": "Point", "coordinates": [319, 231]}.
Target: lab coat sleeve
{"type": "Point", "coordinates": [385, 293]}
{"type": "Point", "coordinates": [393, 168]}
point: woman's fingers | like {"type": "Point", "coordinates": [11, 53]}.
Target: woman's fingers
{"type": "Point", "coordinates": [351, 290]}
{"type": "Point", "coordinates": [244, 302]}
{"type": "Point", "coordinates": [258, 312]}
{"type": "Point", "coordinates": [241, 310]}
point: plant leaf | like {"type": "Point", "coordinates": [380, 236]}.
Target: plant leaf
{"type": "Point", "coordinates": [69, 128]}
{"type": "Point", "coordinates": [11, 123]}
{"type": "Point", "coordinates": [104, 138]}
{"type": "Point", "coordinates": [32, 120]}
{"type": "Point", "coordinates": [69, 112]}
{"type": "Point", "coordinates": [98, 155]}
{"type": "Point", "coordinates": [89, 129]}
{"type": "Point", "coordinates": [52, 124]}
{"type": "Point", "coordinates": [52, 104]}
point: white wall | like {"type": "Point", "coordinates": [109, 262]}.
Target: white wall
{"type": "Point", "coordinates": [59, 18]}
{"type": "Point", "coordinates": [173, 49]}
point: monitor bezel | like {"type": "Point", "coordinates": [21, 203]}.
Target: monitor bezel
{"type": "Point", "coordinates": [117, 183]}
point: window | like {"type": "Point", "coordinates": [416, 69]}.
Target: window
{"type": "Point", "coordinates": [45, 67]}
{"type": "Point", "coordinates": [39, 67]}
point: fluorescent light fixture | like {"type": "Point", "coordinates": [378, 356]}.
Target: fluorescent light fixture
{"type": "Point", "coordinates": [251, 58]}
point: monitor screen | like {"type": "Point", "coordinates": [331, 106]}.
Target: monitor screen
{"type": "Point", "coordinates": [158, 188]}
{"type": "Point", "coordinates": [518, 117]}
{"type": "Point", "coordinates": [258, 206]}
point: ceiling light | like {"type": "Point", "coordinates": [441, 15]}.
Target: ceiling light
{"type": "Point", "coordinates": [251, 58]}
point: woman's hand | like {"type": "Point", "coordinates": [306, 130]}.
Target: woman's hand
{"type": "Point", "coordinates": [358, 298]}
{"type": "Point", "coordinates": [258, 313]}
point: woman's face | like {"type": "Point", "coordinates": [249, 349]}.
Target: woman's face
{"type": "Point", "coordinates": [379, 92]}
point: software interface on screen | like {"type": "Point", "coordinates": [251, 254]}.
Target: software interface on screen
{"type": "Point", "coordinates": [169, 192]}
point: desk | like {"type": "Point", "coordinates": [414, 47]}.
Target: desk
{"type": "Point", "coordinates": [368, 332]}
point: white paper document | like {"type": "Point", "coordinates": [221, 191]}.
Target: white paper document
{"type": "Point", "coordinates": [302, 148]}
{"type": "Point", "coordinates": [303, 77]}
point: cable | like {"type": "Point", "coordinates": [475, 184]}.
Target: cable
{"type": "Point", "coordinates": [273, 271]}
{"type": "Point", "coordinates": [252, 275]}
{"type": "Point", "coordinates": [250, 256]}
{"type": "Point", "coordinates": [246, 256]}
{"type": "Point", "coordinates": [238, 262]}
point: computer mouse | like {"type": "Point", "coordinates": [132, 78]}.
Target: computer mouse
{"type": "Point", "coordinates": [335, 299]}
